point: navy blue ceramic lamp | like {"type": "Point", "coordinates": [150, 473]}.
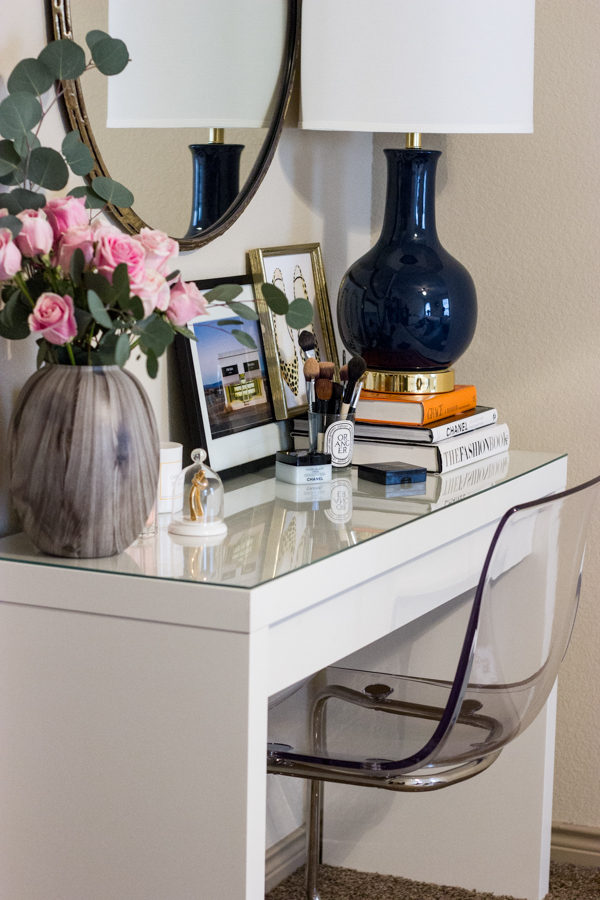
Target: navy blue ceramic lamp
{"type": "Point", "coordinates": [446, 66]}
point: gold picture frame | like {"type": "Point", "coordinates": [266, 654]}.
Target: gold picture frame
{"type": "Point", "coordinates": [298, 271]}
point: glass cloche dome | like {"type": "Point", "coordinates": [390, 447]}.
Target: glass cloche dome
{"type": "Point", "coordinates": [203, 499]}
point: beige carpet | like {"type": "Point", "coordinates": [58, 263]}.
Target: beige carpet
{"type": "Point", "coordinates": [567, 882]}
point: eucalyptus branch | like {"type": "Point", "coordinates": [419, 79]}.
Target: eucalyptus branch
{"type": "Point", "coordinates": [57, 94]}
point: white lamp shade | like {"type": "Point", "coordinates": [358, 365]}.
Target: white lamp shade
{"type": "Point", "coordinates": [436, 66]}
{"type": "Point", "coordinates": [196, 63]}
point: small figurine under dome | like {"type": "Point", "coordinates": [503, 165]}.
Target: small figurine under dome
{"type": "Point", "coordinates": [203, 500]}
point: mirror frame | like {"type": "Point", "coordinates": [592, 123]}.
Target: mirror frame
{"type": "Point", "coordinates": [75, 116]}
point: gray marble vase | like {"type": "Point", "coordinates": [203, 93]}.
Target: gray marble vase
{"type": "Point", "coordinates": [84, 457]}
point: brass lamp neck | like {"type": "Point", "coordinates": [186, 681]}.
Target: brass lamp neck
{"type": "Point", "coordinates": [413, 140]}
{"type": "Point", "coordinates": [216, 136]}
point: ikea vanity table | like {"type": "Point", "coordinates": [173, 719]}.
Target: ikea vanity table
{"type": "Point", "coordinates": [134, 694]}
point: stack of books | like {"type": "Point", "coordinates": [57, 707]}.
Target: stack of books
{"type": "Point", "coordinates": [440, 432]}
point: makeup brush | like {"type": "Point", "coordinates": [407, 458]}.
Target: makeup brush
{"type": "Point", "coordinates": [336, 398]}
{"type": "Point", "coordinates": [355, 397]}
{"type": "Point", "coordinates": [356, 370]}
{"type": "Point", "coordinates": [326, 370]}
{"type": "Point", "coordinates": [323, 390]}
{"type": "Point", "coordinates": [344, 373]}
{"type": "Point", "coordinates": [311, 373]}
{"type": "Point", "coordinates": [306, 339]}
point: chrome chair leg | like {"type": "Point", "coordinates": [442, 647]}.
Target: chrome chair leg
{"type": "Point", "coordinates": [313, 839]}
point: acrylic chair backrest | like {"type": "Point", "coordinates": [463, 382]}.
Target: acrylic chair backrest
{"type": "Point", "coordinates": [498, 670]}
{"type": "Point", "coordinates": [520, 624]}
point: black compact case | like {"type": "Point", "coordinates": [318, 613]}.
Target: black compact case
{"type": "Point", "coordinates": [392, 473]}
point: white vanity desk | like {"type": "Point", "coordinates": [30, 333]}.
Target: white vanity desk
{"type": "Point", "coordinates": [134, 700]}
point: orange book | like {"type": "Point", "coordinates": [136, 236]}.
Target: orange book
{"type": "Point", "coordinates": [414, 409]}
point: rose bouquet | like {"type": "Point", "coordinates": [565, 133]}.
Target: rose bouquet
{"type": "Point", "coordinates": [90, 293]}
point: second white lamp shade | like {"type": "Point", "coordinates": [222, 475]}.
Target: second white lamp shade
{"type": "Point", "coordinates": [196, 63]}
{"type": "Point", "coordinates": [433, 66]}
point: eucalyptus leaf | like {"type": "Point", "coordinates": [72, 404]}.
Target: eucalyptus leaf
{"type": "Point", "coordinates": [12, 223]}
{"type": "Point", "coordinates": [78, 156]}
{"type": "Point", "coordinates": [84, 319]}
{"type": "Point", "coordinates": [65, 59]}
{"type": "Point", "coordinates": [107, 347]}
{"type": "Point", "coordinates": [110, 55]}
{"type": "Point", "coordinates": [25, 143]}
{"type": "Point", "coordinates": [99, 284]}
{"type": "Point", "coordinates": [98, 310]}
{"type": "Point", "coordinates": [21, 199]}
{"type": "Point", "coordinates": [17, 311]}
{"type": "Point", "coordinates": [15, 332]}
{"type": "Point", "coordinates": [223, 293]}
{"type": "Point", "coordinates": [9, 179]}
{"type": "Point", "coordinates": [41, 354]}
{"type": "Point", "coordinates": [112, 192]}
{"type": "Point", "coordinates": [172, 275]}
{"type": "Point", "coordinates": [30, 76]}
{"type": "Point", "coordinates": [121, 289]}
{"type": "Point", "coordinates": [122, 350]}
{"type": "Point", "coordinates": [92, 200]}
{"type": "Point", "coordinates": [19, 113]}
{"type": "Point", "coordinates": [92, 37]}
{"type": "Point", "coordinates": [9, 158]}
{"type": "Point", "coordinates": [185, 332]}
{"type": "Point", "coordinates": [300, 313]}
{"type": "Point", "coordinates": [13, 319]}
{"type": "Point", "coordinates": [151, 363]}
{"type": "Point", "coordinates": [136, 308]}
{"type": "Point", "coordinates": [243, 338]}
{"type": "Point", "coordinates": [36, 285]}
{"type": "Point", "coordinates": [48, 169]}
{"type": "Point", "coordinates": [275, 299]}
{"type": "Point", "coordinates": [240, 309]}
{"type": "Point", "coordinates": [155, 334]}
{"type": "Point", "coordinates": [77, 266]}
{"type": "Point", "coordinates": [223, 322]}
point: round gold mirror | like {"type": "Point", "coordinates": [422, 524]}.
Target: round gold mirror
{"type": "Point", "coordinates": [191, 126]}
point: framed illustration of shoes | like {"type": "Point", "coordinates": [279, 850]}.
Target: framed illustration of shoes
{"type": "Point", "coordinates": [298, 272]}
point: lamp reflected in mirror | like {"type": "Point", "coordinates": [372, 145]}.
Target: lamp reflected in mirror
{"type": "Point", "coordinates": [220, 69]}
{"type": "Point", "coordinates": [207, 78]}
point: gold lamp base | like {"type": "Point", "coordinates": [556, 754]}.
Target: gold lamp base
{"type": "Point", "coordinates": [409, 382]}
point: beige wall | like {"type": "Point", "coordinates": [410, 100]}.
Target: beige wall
{"type": "Point", "coordinates": [521, 212]}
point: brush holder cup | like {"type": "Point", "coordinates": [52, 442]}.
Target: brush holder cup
{"type": "Point", "coordinates": [329, 433]}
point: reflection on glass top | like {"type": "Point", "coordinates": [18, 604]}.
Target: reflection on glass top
{"type": "Point", "coordinates": [275, 527]}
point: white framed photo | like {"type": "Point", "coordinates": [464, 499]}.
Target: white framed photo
{"type": "Point", "coordinates": [226, 387]}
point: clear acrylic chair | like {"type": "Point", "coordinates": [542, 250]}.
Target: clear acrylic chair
{"type": "Point", "coordinates": [406, 733]}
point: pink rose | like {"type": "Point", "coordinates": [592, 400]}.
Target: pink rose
{"type": "Point", "coordinates": [79, 236]}
{"type": "Point", "coordinates": [101, 227]}
{"type": "Point", "coordinates": [53, 317]}
{"type": "Point", "coordinates": [64, 212]}
{"type": "Point", "coordinates": [10, 255]}
{"type": "Point", "coordinates": [185, 303]}
{"type": "Point", "coordinates": [114, 248]}
{"type": "Point", "coordinates": [154, 293]}
{"type": "Point", "coordinates": [3, 212]}
{"type": "Point", "coordinates": [160, 249]}
{"type": "Point", "coordinates": [36, 235]}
